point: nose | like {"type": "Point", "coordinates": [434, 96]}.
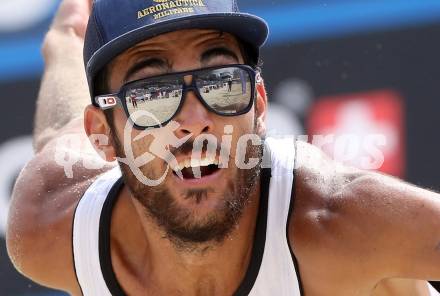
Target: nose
{"type": "Point", "coordinates": [193, 117]}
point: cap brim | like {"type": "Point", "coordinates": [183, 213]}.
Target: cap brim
{"type": "Point", "coordinates": [247, 27]}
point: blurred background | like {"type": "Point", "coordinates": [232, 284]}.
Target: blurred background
{"type": "Point", "coordinates": [341, 67]}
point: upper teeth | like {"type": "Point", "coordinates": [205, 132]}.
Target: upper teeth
{"type": "Point", "coordinates": [194, 163]}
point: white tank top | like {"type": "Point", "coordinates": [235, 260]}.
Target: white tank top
{"type": "Point", "coordinates": [272, 269]}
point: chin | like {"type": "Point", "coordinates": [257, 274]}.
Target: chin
{"type": "Point", "coordinates": [191, 217]}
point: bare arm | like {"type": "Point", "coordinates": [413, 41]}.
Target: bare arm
{"type": "Point", "coordinates": [403, 220]}
{"type": "Point", "coordinates": [365, 228]}
{"type": "Point", "coordinates": [63, 92]}
{"type": "Point", "coordinates": [39, 234]}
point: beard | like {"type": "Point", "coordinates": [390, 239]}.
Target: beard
{"type": "Point", "coordinates": [187, 231]}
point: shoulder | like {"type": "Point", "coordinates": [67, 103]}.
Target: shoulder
{"type": "Point", "coordinates": [319, 181]}
{"type": "Point", "coordinates": [39, 235]}
{"type": "Point", "coordinates": [358, 222]}
{"type": "Point", "coordinates": [329, 210]}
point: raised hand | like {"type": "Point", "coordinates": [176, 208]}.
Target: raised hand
{"type": "Point", "coordinates": [73, 15]}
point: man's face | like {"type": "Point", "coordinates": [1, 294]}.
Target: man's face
{"type": "Point", "coordinates": [190, 210]}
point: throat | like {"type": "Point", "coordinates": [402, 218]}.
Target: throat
{"type": "Point", "coordinates": [207, 286]}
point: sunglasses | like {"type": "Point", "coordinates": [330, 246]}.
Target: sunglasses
{"type": "Point", "coordinates": [226, 90]}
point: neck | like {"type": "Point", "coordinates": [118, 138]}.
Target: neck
{"type": "Point", "coordinates": [207, 269]}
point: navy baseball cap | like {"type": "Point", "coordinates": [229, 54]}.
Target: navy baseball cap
{"type": "Point", "coordinates": [116, 25]}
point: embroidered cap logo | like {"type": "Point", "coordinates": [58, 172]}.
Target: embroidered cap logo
{"type": "Point", "coordinates": [165, 8]}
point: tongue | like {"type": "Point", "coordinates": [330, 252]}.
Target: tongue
{"type": "Point", "coordinates": [188, 173]}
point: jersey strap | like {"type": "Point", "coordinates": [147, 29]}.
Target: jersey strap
{"type": "Point", "coordinates": [86, 225]}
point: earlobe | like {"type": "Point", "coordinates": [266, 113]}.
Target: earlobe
{"type": "Point", "coordinates": [98, 132]}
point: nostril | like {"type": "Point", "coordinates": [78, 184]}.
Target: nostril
{"type": "Point", "coordinates": [185, 131]}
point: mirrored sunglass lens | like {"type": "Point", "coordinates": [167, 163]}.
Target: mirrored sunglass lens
{"type": "Point", "coordinates": [226, 90]}
{"type": "Point", "coordinates": [153, 103]}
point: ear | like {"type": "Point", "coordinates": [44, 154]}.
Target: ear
{"type": "Point", "coordinates": [98, 131]}
{"type": "Point", "coordinates": [261, 105]}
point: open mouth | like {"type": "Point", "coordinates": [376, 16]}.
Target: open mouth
{"type": "Point", "coordinates": [196, 169]}
{"type": "Point", "coordinates": [191, 173]}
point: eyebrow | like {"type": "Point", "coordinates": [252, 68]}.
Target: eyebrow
{"type": "Point", "coordinates": [217, 52]}
{"type": "Point", "coordinates": [148, 63]}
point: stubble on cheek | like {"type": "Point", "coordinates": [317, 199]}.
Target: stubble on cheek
{"type": "Point", "coordinates": [153, 169]}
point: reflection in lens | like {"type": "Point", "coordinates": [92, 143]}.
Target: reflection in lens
{"type": "Point", "coordinates": [160, 99]}
{"type": "Point", "coordinates": [226, 90]}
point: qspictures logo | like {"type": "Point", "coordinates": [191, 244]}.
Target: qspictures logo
{"type": "Point", "coordinates": [207, 149]}
{"type": "Point", "coordinates": [165, 8]}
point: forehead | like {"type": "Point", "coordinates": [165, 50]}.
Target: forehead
{"type": "Point", "coordinates": [179, 43]}
{"type": "Point", "coordinates": [179, 51]}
